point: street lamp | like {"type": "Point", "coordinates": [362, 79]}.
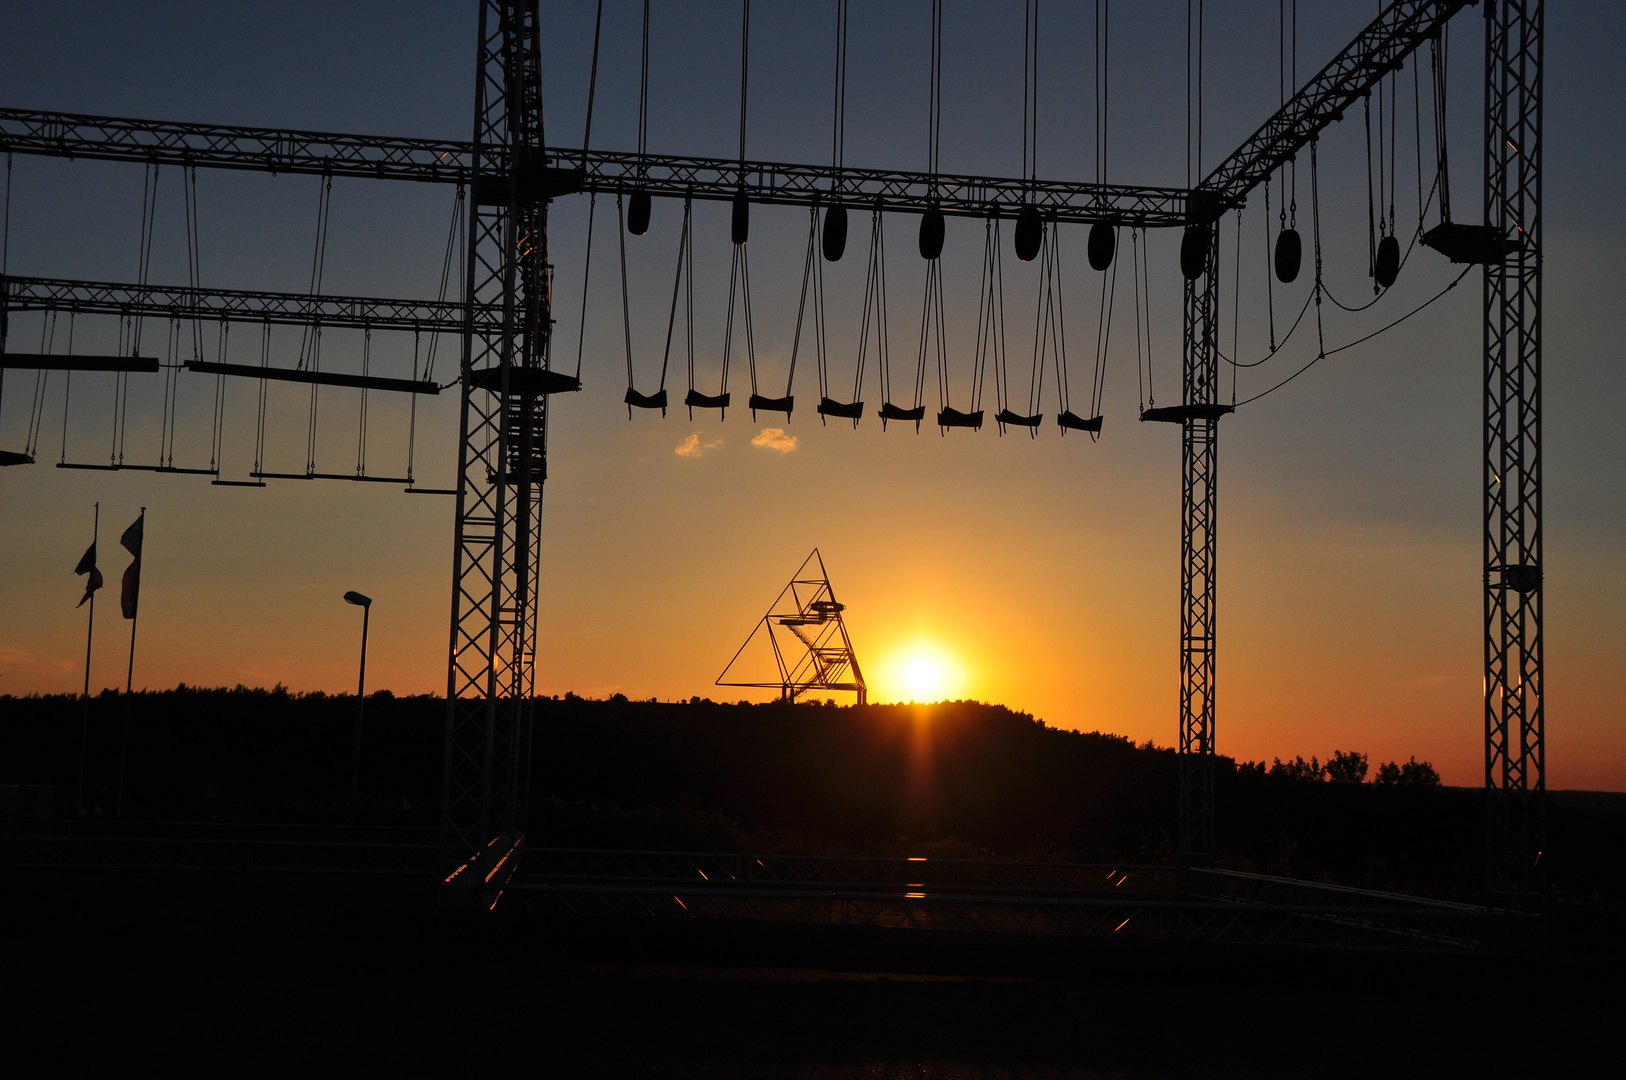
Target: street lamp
{"type": "Point", "coordinates": [366, 605]}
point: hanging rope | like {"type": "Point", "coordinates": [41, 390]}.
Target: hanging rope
{"type": "Point", "coordinates": [1103, 349]}
{"type": "Point", "coordinates": [811, 284]}
{"type": "Point", "coordinates": [1045, 337]}
{"type": "Point", "coordinates": [5, 252]}
{"type": "Point", "coordinates": [1143, 312]}
{"type": "Point", "coordinates": [1326, 352]}
{"type": "Point", "coordinates": [42, 381]}
{"type": "Point", "coordinates": [454, 251]}
{"type": "Point", "coordinates": [1315, 227]}
{"type": "Point", "coordinates": [217, 435]}
{"type": "Point", "coordinates": [990, 321]}
{"type": "Point", "coordinates": [5, 224]}
{"type": "Point", "coordinates": [310, 347]}
{"type": "Point", "coordinates": [171, 368]}
{"type": "Point", "coordinates": [67, 390]}
{"type": "Point", "coordinates": [1438, 56]}
{"type": "Point", "coordinates": [685, 275]}
{"type": "Point", "coordinates": [874, 317]}
{"type": "Point", "coordinates": [361, 422]}
{"type": "Point", "coordinates": [259, 425]}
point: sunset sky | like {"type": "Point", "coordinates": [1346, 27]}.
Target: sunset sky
{"type": "Point", "coordinates": [1039, 573]}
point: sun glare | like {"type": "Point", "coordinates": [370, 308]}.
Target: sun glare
{"type": "Point", "coordinates": [921, 672]}
{"type": "Point", "coordinates": [923, 677]}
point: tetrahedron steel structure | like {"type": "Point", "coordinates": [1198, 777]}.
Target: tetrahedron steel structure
{"type": "Point", "coordinates": [804, 631]}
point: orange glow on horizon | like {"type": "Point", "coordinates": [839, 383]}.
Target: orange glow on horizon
{"type": "Point", "coordinates": [922, 671]}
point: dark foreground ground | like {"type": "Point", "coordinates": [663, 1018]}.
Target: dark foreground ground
{"type": "Point", "coordinates": [261, 975]}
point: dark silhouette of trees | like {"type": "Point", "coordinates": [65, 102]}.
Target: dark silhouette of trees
{"type": "Point", "coordinates": [1299, 769]}
{"type": "Point", "coordinates": [1346, 767]}
{"type": "Point", "coordinates": [1412, 773]}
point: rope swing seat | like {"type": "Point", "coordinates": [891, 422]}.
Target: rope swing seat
{"type": "Point", "coordinates": [871, 329]}
{"type": "Point", "coordinates": [812, 290]}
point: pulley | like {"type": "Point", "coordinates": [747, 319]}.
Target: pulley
{"type": "Point", "coordinates": [931, 233]}
{"type": "Point", "coordinates": [1289, 254]}
{"type": "Point", "coordinates": [835, 233]}
{"type": "Point", "coordinates": [1029, 233]}
{"type": "Point", "coordinates": [740, 226]}
{"type": "Point", "coordinates": [1194, 252]}
{"type": "Point", "coordinates": [638, 206]}
{"type": "Point", "coordinates": [1103, 243]}
{"type": "Point", "coordinates": [1387, 267]}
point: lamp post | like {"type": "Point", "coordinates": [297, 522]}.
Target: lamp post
{"type": "Point", "coordinates": [366, 605]}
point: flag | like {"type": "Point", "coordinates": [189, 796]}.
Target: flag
{"type": "Point", "coordinates": [87, 565]}
{"type": "Point", "coordinates": [132, 576]}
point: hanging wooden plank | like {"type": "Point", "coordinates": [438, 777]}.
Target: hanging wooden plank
{"type": "Point", "coordinates": [321, 378]}
{"type": "Point", "coordinates": [50, 362]}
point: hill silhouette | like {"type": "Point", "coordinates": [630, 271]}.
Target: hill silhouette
{"type": "Point", "coordinates": [953, 779]}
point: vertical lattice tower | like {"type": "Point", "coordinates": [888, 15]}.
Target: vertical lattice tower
{"type": "Point", "coordinates": [502, 459]}
{"type": "Point", "coordinates": [1199, 508]}
{"type": "Point", "coordinates": [1515, 747]}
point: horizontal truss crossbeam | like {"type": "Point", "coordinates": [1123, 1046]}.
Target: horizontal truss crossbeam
{"type": "Point", "coordinates": [221, 146]}
{"type": "Point", "coordinates": [233, 305]}
{"type": "Point", "coordinates": [102, 138]}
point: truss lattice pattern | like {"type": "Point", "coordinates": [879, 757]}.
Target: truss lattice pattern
{"type": "Point", "coordinates": [1515, 746]}
{"type": "Point", "coordinates": [1199, 466]}
{"type": "Point", "coordinates": [808, 638]}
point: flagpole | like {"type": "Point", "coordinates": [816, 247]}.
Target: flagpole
{"type": "Point", "coordinates": [90, 626]}
{"type": "Point", "coordinates": [129, 678]}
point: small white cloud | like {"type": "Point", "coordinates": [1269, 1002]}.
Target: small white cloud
{"type": "Point", "coordinates": [775, 439]}
{"type": "Point", "coordinates": [15, 654]}
{"type": "Point", "coordinates": [692, 447]}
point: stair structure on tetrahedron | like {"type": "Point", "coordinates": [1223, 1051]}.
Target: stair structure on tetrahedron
{"type": "Point", "coordinates": [807, 639]}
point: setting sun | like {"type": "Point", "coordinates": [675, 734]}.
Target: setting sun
{"type": "Point", "coordinates": [923, 672]}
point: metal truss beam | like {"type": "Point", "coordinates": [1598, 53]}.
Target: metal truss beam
{"type": "Point", "coordinates": [235, 305]}
{"type": "Point", "coordinates": [721, 179]}
{"type": "Point", "coordinates": [1380, 48]}
{"type": "Point", "coordinates": [1199, 519]}
{"type": "Point", "coordinates": [103, 138]}
{"type": "Point", "coordinates": [1515, 730]}
{"type": "Point", "coordinates": [502, 465]}
{"type": "Point", "coordinates": [217, 146]}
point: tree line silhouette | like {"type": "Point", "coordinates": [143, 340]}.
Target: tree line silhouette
{"type": "Point", "coordinates": [953, 779]}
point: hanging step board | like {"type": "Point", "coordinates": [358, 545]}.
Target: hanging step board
{"type": "Point", "coordinates": [521, 380]}
{"type": "Point", "coordinates": [697, 400]}
{"type": "Point", "coordinates": [1073, 422]}
{"type": "Point", "coordinates": [772, 404]}
{"type": "Point", "coordinates": [1005, 416]}
{"type": "Point", "coordinates": [137, 468]}
{"type": "Point", "coordinates": [950, 417]}
{"type": "Point", "coordinates": [44, 362]}
{"type": "Point", "coordinates": [12, 457]}
{"type": "Point", "coordinates": [657, 400]}
{"type": "Point", "coordinates": [1179, 414]}
{"type": "Point", "coordinates": [322, 378]}
{"type": "Point", "coordinates": [846, 410]}
{"type": "Point", "coordinates": [329, 476]}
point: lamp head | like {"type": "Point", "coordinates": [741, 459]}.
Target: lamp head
{"type": "Point", "coordinates": [354, 597]}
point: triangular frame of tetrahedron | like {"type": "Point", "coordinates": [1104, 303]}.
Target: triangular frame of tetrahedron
{"type": "Point", "coordinates": [807, 637]}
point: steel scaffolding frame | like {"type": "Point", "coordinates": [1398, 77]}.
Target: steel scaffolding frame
{"type": "Point", "coordinates": [1199, 519]}
{"type": "Point", "coordinates": [1515, 743]}
{"type": "Point", "coordinates": [506, 374]}
{"type": "Point", "coordinates": [502, 466]}
{"type": "Point", "coordinates": [232, 305]}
